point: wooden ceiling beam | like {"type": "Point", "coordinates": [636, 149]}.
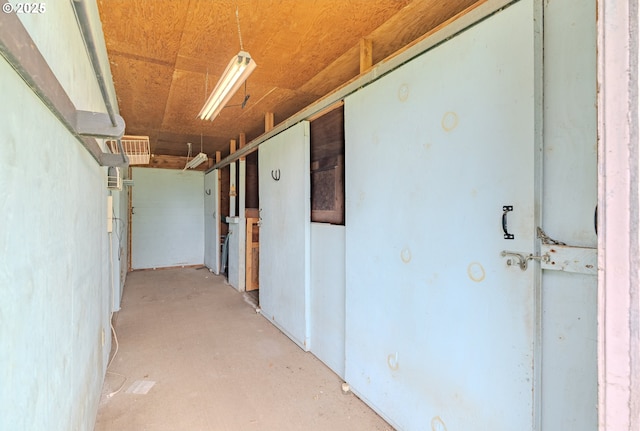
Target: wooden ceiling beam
{"type": "Point", "coordinates": [268, 121]}
{"type": "Point", "coordinates": [366, 54]}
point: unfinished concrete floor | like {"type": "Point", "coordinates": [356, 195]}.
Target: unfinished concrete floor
{"type": "Point", "coordinates": [215, 364]}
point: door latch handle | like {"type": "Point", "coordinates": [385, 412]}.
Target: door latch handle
{"type": "Point", "coordinates": [523, 261]}
{"type": "Point", "coordinates": [505, 210]}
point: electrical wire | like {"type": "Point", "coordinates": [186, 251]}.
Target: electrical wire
{"type": "Point", "coordinates": [188, 156]}
{"type": "Point", "coordinates": [113, 292]}
{"type": "Point", "coordinates": [115, 337]}
{"type": "Point", "coordinates": [111, 394]}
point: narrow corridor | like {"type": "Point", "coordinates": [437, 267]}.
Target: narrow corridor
{"type": "Point", "coordinates": [208, 361]}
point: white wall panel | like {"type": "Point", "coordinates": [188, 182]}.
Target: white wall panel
{"type": "Point", "coordinates": [119, 244]}
{"type": "Point", "coordinates": [284, 232]}
{"type": "Point", "coordinates": [168, 221]}
{"type": "Point", "coordinates": [569, 326]}
{"type": "Point", "coordinates": [54, 250]}
{"type": "Point", "coordinates": [212, 221]}
{"type": "Point", "coordinates": [237, 228]}
{"type": "Point", "coordinates": [327, 294]}
{"type": "Point", "coordinates": [440, 332]}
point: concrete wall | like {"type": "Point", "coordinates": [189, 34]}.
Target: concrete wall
{"type": "Point", "coordinates": [54, 251]}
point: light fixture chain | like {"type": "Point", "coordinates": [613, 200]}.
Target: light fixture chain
{"type": "Point", "coordinates": [239, 33]}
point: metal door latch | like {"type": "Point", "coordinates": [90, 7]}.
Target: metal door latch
{"type": "Point", "coordinates": [523, 261]}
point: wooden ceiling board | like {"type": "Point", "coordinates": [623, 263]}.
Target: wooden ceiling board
{"type": "Point", "coordinates": [335, 74]}
{"type": "Point", "coordinates": [175, 144]}
{"type": "Point", "coordinates": [167, 55]}
{"type": "Point", "coordinates": [187, 97]}
{"type": "Point", "coordinates": [281, 32]}
{"type": "Point", "coordinates": [147, 28]}
{"type": "Point", "coordinates": [413, 21]}
{"type": "Point", "coordinates": [142, 89]}
{"type": "Point", "coordinates": [283, 102]}
{"type": "Point", "coordinates": [300, 45]}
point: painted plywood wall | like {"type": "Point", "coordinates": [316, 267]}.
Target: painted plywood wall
{"type": "Point", "coordinates": [285, 231]}
{"type": "Point", "coordinates": [54, 253]}
{"type": "Point", "coordinates": [439, 330]}
{"type": "Point", "coordinates": [168, 218]}
{"type": "Point", "coordinates": [565, 363]}
{"type": "Point", "coordinates": [327, 318]}
{"type": "Point", "coordinates": [569, 300]}
{"type": "Point", "coordinates": [211, 221]}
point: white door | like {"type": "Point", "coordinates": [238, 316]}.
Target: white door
{"type": "Point", "coordinates": [167, 218]}
{"type": "Point", "coordinates": [211, 221]}
{"type": "Point", "coordinates": [283, 166]}
{"type": "Point", "coordinates": [440, 331]}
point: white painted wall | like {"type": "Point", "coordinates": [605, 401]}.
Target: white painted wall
{"type": "Point", "coordinates": [54, 252]}
{"type": "Point", "coordinates": [285, 232]}
{"type": "Point", "coordinates": [569, 301]}
{"type": "Point", "coordinates": [168, 218]}
{"type": "Point", "coordinates": [327, 317]}
{"type": "Point", "coordinates": [212, 222]}
{"type": "Point", "coordinates": [237, 229]}
{"type": "Point", "coordinates": [119, 241]}
{"type": "Point", "coordinates": [440, 331]}
{"type": "Point", "coordinates": [235, 270]}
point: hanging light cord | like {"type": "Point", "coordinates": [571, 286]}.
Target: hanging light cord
{"type": "Point", "coordinates": [206, 91]}
{"type": "Point", "coordinates": [206, 85]}
{"type": "Point", "coordinates": [239, 33]}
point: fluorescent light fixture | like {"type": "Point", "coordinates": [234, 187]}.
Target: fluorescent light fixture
{"type": "Point", "coordinates": [238, 70]}
{"type": "Point", "coordinates": [196, 161]}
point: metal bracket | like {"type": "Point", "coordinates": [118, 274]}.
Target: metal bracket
{"type": "Point", "coordinates": [98, 125]}
{"type": "Point", "coordinates": [523, 261]}
{"type": "Point", "coordinates": [117, 160]}
{"type": "Point", "coordinates": [582, 260]}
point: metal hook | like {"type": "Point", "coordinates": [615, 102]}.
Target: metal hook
{"type": "Point", "coordinates": [275, 174]}
{"type": "Point", "coordinates": [522, 259]}
{"type": "Point", "coordinates": [208, 192]}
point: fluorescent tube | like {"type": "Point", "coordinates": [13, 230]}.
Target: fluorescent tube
{"type": "Point", "coordinates": [196, 161]}
{"type": "Point", "coordinates": [238, 70]}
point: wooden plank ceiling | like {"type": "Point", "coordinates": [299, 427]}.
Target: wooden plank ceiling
{"type": "Point", "coordinates": [166, 56]}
